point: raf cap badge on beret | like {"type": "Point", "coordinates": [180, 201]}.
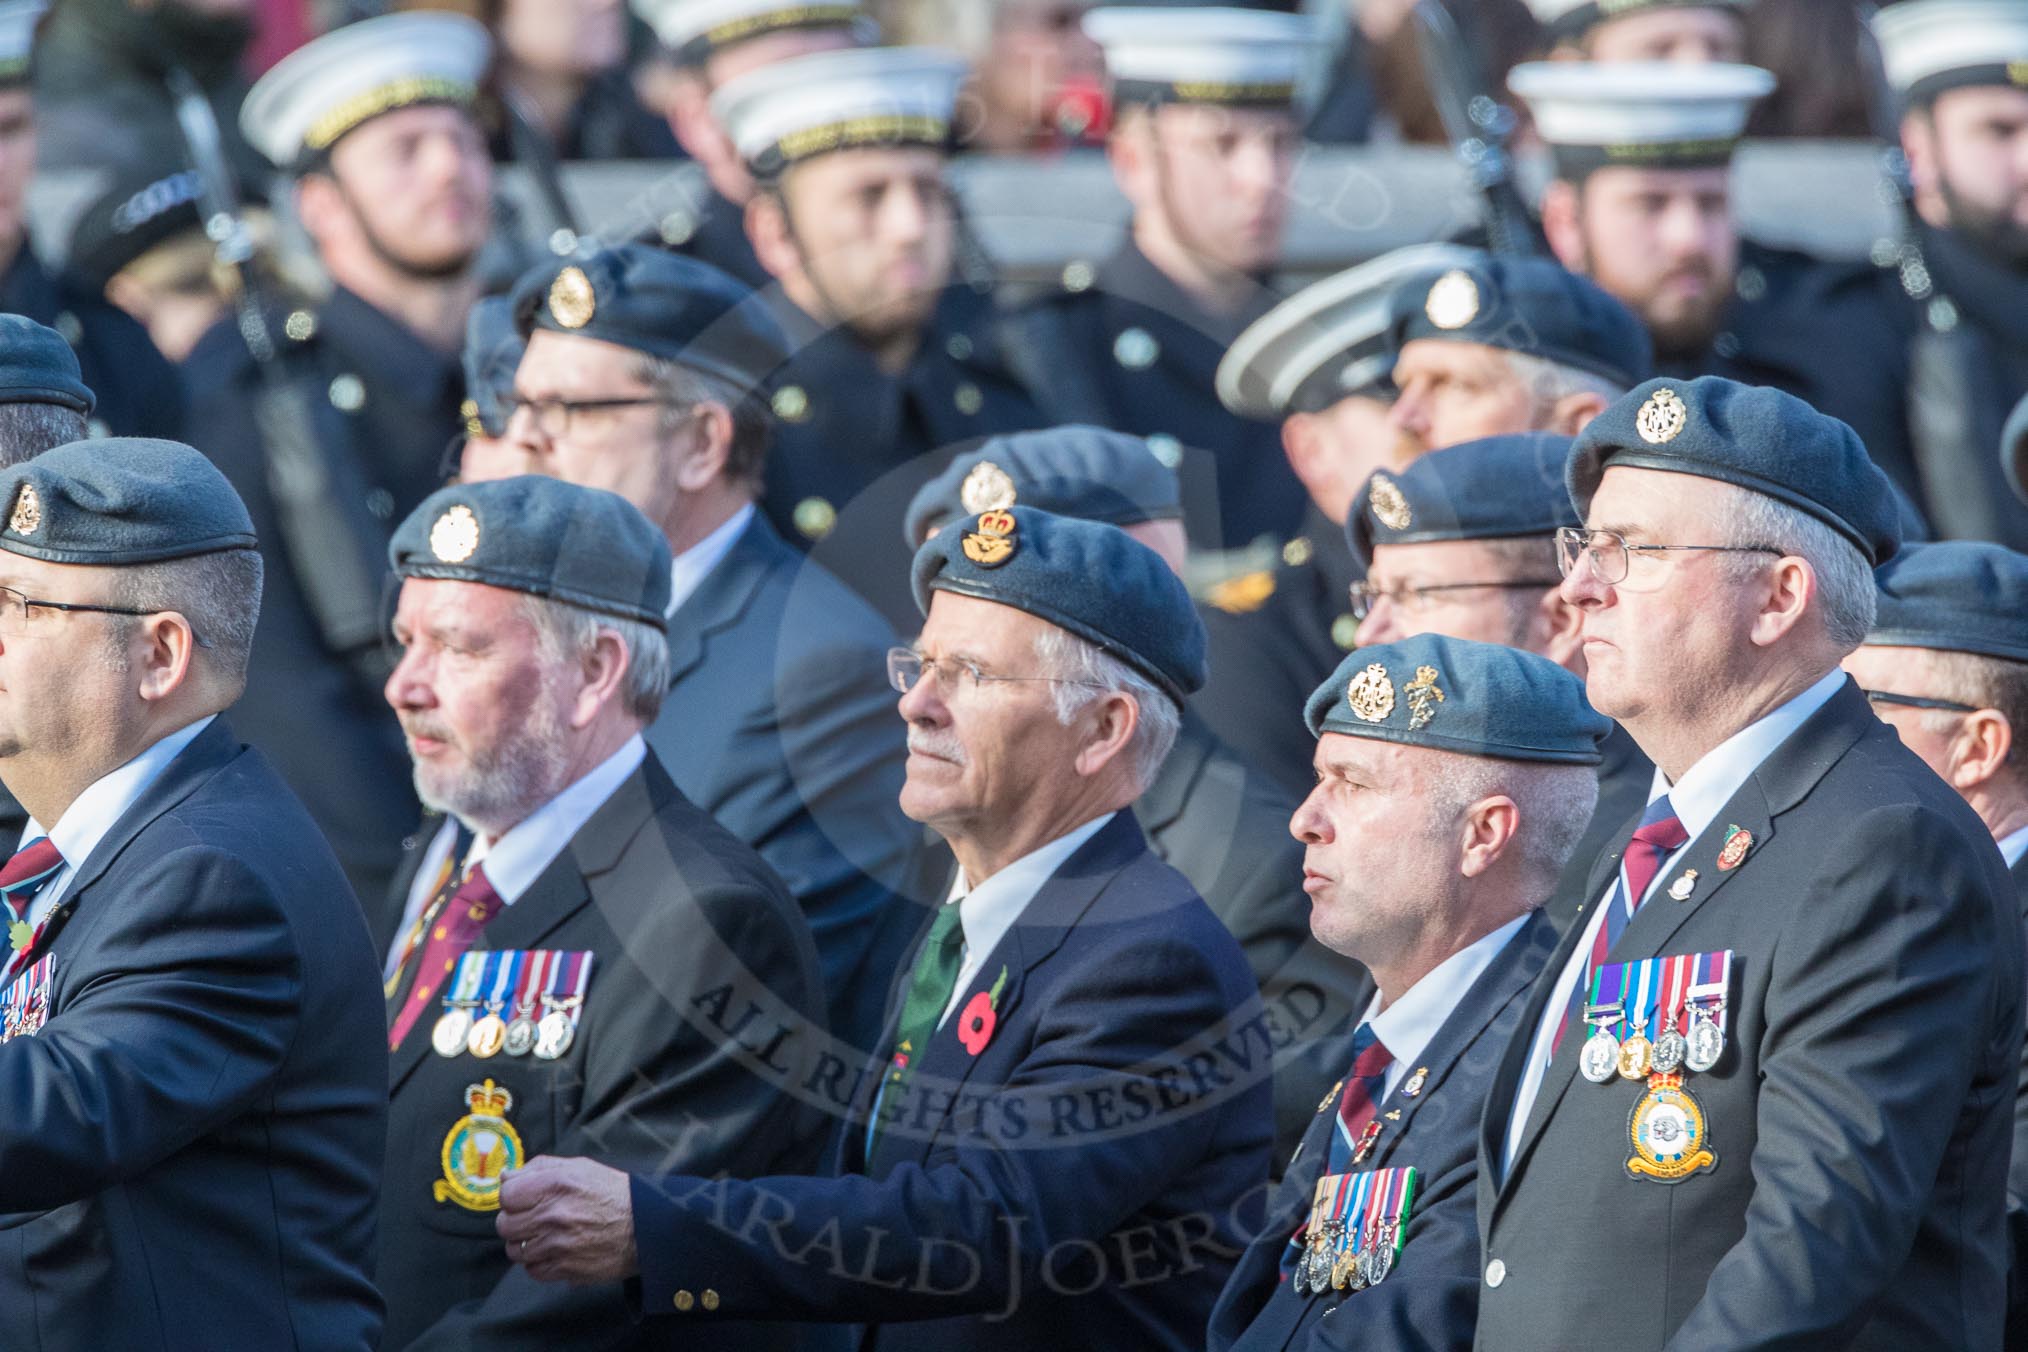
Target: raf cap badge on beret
{"type": "Point", "coordinates": [1389, 506]}
{"type": "Point", "coordinates": [1453, 300]}
{"type": "Point", "coordinates": [1661, 418]}
{"type": "Point", "coordinates": [455, 536]}
{"type": "Point", "coordinates": [572, 299]}
{"type": "Point", "coordinates": [988, 488]}
{"type": "Point", "coordinates": [993, 543]}
{"type": "Point", "coordinates": [1371, 694]}
{"type": "Point", "coordinates": [27, 511]}
{"type": "Point", "coordinates": [1423, 695]}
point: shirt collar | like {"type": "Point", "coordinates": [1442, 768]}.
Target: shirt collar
{"type": "Point", "coordinates": [694, 564]}
{"type": "Point", "coordinates": [1709, 785]}
{"type": "Point", "coordinates": [1407, 1027]}
{"type": "Point", "coordinates": [2013, 845]}
{"type": "Point", "coordinates": [94, 813]}
{"type": "Point", "coordinates": [988, 911]}
{"type": "Point", "coordinates": [517, 859]}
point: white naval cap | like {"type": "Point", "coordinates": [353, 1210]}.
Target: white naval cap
{"type": "Point", "coordinates": [17, 37]}
{"type": "Point", "coordinates": [1928, 46]}
{"type": "Point", "coordinates": [1327, 341]}
{"type": "Point", "coordinates": [867, 96]}
{"type": "Point", "coordinates": [1186, 54]}
{"type": "Point", "coordinates": [1666, 114]}
{"type": "Point", "coordinates": [1570, 20]}
{"type": "Point", "coordinates": [331, 85]}
{"type": "Point", "coordinates": [694, 29]}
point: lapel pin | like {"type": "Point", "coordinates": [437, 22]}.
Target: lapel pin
{"type": "Point", "coordinates": [1681, 889]}
{"type": "Point", "coordinates": [1415, 1082]}
{"type": "Point", "coordinates": [1737, 843]}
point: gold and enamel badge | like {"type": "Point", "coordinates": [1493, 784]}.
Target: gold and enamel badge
{"type": "Point", "coordinates": [455, 536]}
{"type": "Point", "coordinates": [993, 543]}
{"type": "Point", "coordinates": [1661, 418]}
{"type": "Point", "coordinates": [27, 517]}
{"type": "Point", "coordinates": [1669, 1135]}
{"type": "Point", "coordinates": [572, 299]}
{"type": "Point", "coordinates": [1423, 695]}
{"type": "Point", "coordinates": [1390, 508]}
{"type": "Point", "coordinates": [1453, 300]}
{"type": "Point", "coordinates": [1684, 885]}
{"type": "Point", "coordinates": [479, 1148]}
{"type": "Point", "coordinates": [988, 488]}
{"type": "Point", "coordinates": [1733, 853]}
{"type": "Point", "coordinates": [1371, 694]}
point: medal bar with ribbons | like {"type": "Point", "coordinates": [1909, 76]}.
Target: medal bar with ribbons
{"type": "Point", "coordinates": [1600, 1057]}
{"type": "Point", "coordinates": [24, 1005]}
{"type": "Point", "coordinates": [562, 1001]}
{"type": "Point", "coordinates": [1341, 1271]}
{"type": "Point", "coordinates": [519, 1039]}
{"type": "Point", "coordinates": [460, 998]}
{"type": "Point", "coordinates": [1670, 1015]}
{"type": "Point", "coordinates": [1310, 1239]}
{"type": "Point", "coordinates": [1390, 1220]}
{"type": "Point", "coordinates": [496, 984]}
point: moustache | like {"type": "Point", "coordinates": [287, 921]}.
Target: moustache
{"type": "Point", "coordinates": [942, 746]}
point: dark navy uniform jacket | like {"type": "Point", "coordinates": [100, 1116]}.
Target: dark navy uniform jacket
{"type": "Point", "coordinates": [1431, 1298]}
{"type": "Point", "coordinates": [138, 392]}
{"type": "Point", "coordinates": [384, 406]}
{"type": "Point", "coordinates": [190, 1157]}
{"type": "Point", "coordinates": [687, 929]}
{"type": "Point", "coordinates": [2017, 1181]}
{"type": "Point", "coordinates": [715, 233]}
{"type": "Point", "coordinates": [1083, 1166]}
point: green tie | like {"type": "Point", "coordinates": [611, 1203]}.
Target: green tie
{"type": "Point", "coordinates": [929, 990]}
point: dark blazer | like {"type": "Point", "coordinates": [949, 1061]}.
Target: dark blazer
{"type": "Point", "coordinates": [2017, 1173]}
{"type": "Point", "coordinates": [192, 1143]}
{"type": "Point", "coordinates": [689, 929]}
{"type": "Point", "coordinates": [1861, 1114]}
{"type": "Point", "coordinates": [1432, 1298]}
{"type": "Point", "coordinates": [1625, 777]}
{"type": "Point", "coordinates": [137, 391]}
{"type": "Point", "coordinates": [1073, 1184]}
{"type": "Point", "coordinates": [780, 723]}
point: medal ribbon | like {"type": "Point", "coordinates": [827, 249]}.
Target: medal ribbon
{"type": "Point", "coordinates": [508, 967]}
{"type": "Point", "coordinates": [1606, 986]}
{"type": "Point", "coordinates": [464, 986]}
{"type": "Point", "coordinates": [1710, 980]}
{"type": "Point", "coordinates": [534, 974]}
{"type": "Point", "coordinates": [1351, 1207]}
{"type": "Point", "coordinates": [1675, 986]}
{"type": "Point", "coordinates": [576, 976]}
{"type": "Point", "coordinates": [1376, 1208]}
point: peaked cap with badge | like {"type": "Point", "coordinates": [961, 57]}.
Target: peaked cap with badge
{"type": "Point", "coordinates": [1494, 488]}
{"type": "Point", "coordinates": [794, 110]}
{"type": "Point", "coordinates": [38, 367]}
{"type": "Point", "coordinates": [1533, 306]}
{"type": "Point", "coordinates": [493, 348]}
{"type": "Point", "coordinates": [1453, 694]}
{"type": "Point", "coordinates": [1750, 436]}
{"type": "Point", "coordinates": [1329, 340]}
{"type": "Point", "coordinates": [582, 546]}
{"type": "Point", "coordinates": [1644, 114]}
{"type": "Point", "coordinates": [1092, 579]}
{"type": "Point", "coordinates": [116, 501]}
{"type": "Point", "coordinates": [1964, 596]}
{"type": "Point", "coordinates": [1929, 46]}
{"type": "Point", "coordinates": [1573, 20]}
{"type": "Point", "coordinates": [1229, 57]}
{"type": "Point", "coordinates": [333, 84]}
{"type": "Point", "coordinates": [696, 30]}
{"type": "Point", "coordinates": [1079, 471]}
{"type": "Point", "coordinates": [135, 213]}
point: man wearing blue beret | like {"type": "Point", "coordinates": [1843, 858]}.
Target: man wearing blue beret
{"type": "Point", "coordinates": [492, 354]}
{"type": "Point", "coordinates": [580, 945]}
{"type": "Point", "coordinates": [642, 377]}
{"type": "Point", "coordinates": [190, 1030]}
{"type": "Point", "coordinates": [1069, 1114]}
{"type": "Point", "coordinates": [1453, 778]}
{"type": "Point", "coordinates": [1771, 1069]}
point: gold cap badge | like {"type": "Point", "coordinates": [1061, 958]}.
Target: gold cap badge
{"type": "Point", "coordinates": [1371, 694]}
{"type": "Point", "coordinates": [1661, 418]}
{"type": "Point", "coordinates": [1423, 696]}
{"type": "Point", "coordinates": [455, 537]}
{"type": "Point", "coordinates": [988, 488]}
{"type": "Point", "coordinates": [1453, 300]}
{"type": "Point", "coordinates": [571, 298]}
{"type": "Point", "coordinates": [993, 543]}
{"type": "Point", "coordinates": [1390, 508]}
{"type": "Point", "coordinates": [27, 518]}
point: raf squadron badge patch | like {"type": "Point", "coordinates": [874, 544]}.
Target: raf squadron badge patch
{"type": "Point", "coordinates": [480, 1147]}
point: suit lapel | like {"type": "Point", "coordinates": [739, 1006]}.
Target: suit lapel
{"type": "Point", "coordinates": [722, 597]}
{"type": "Point", "coordinates": [208, 753]}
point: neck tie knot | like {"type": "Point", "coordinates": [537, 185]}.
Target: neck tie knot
{"type": "Point", "coordinates": [1371, 1060]}
{"type": "Point", "coordinates": [1660, 828]}
{"type": "Point", "coordinates": [30, 865]}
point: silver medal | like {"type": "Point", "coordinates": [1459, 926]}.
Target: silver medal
{"type": "Point", "coordinates": [1381, 1263]}
{"type": "Point", "coordinates": [1670, 1049]}
{"type": "Point", "coordinates": [1707, 1043]}
{"type": "Point", "coordinates": [448, 1037]}
{"type": "Point", "coordinates": [554, 1035]}
{"type": "Point", "coordinates": [520, 1036]}
{"type": "Point", "coordinates": [1600, 1058]}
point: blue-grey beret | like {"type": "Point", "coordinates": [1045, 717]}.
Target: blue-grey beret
{"type": "Point", "coordinates": [1750, 436]}
{"type": "Point", "coordinates": [1452, 694]}
{"type": "Point", "coordinates": [492, 353]}
{"type": "Point", "coordinates": [543, 536]}
{"type": "Point", "coordinates": [38, 367]}
{"type": "Point", "coordinates": [1495, 488]}
{"type": "Point", "coordinates": [1528, 305]}
{"type": "Point", "coordinates": [1962, 596]}
{"type": "Point", "coordinates": [1076, 470]}
{"type": "Point", "coordinates": [121, 500]}
{"type": "Point", "coordinates": [657, 302]}
{"type": "Point", "coordinates": [1092, 579]}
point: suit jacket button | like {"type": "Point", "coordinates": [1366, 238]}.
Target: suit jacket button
{"type": "Point", "coordinates": [684, 1300]}
{"type": "Point", "coordinates": [1496, 1272]}
{"type": "Point", "coordinates": [709, 1300]}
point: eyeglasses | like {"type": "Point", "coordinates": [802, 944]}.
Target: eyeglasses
{"type": "Point", "coordinates": [15, 605]}
{"type": "Point", "coordinates": [1364, 594]}
{"type": "Point", "coordinates": [1949, 706]}
{"type": "Point", "coordinates": [906, 668]}
{"type": "Point", "coordinates": [553, 416]}
{"type": "Point", "coordinates": [1609, 552]}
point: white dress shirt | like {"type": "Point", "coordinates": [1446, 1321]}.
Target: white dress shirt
{"type": "Point", "coordinates": [96, 811]}
{"type": "Point", "coordinates": [988, 911]}
{"type": "Point", "coordinates": [2013, 846]}
{"type": "Point", "coordinates": [694, 564]}
{"type": "Point", "coordinates": [1406, 1026]}
{"type": "Point", "coordinates": [1697, 799]}
{"type": "Point", "coordinates": [517, 858]}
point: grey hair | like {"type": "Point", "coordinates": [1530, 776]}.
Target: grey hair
{"type": "Point", "coordinates": [1986, 682]}
{"type": "Point", "coordinates": [1073, 659]}
{"type": "Point", "coordinates": [1844, 580]}
{"type": "Point", "coordinates": [219, 594]}
{"type": "Point", "coordinates": [29, 429]}
{"type": "Point", "coordinates": [1556, 802]}
{"type": "Point", "coordinates": [685, 387]}
{"type": "Point", "coordinates": [1548, 381]}
{"type": "Point", "coordinates": [568, 631]}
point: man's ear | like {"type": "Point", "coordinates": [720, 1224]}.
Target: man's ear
{"type": "Point", "coordinates": [1563, 223]}
{"type": "Point", "coordinates": [767, 229]}
{"type": "Point", "coordinates": [1980, 749]}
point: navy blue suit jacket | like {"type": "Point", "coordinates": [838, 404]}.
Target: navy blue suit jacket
{"type": "Point", "coordinates": [191, 1146]}
{"type": "Point", "coordinates": [780, 723]}
{"type": "Point", "coordinates": [1431, 1298]}
{"type": "Point", "coordinates": [1073, 1184]}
